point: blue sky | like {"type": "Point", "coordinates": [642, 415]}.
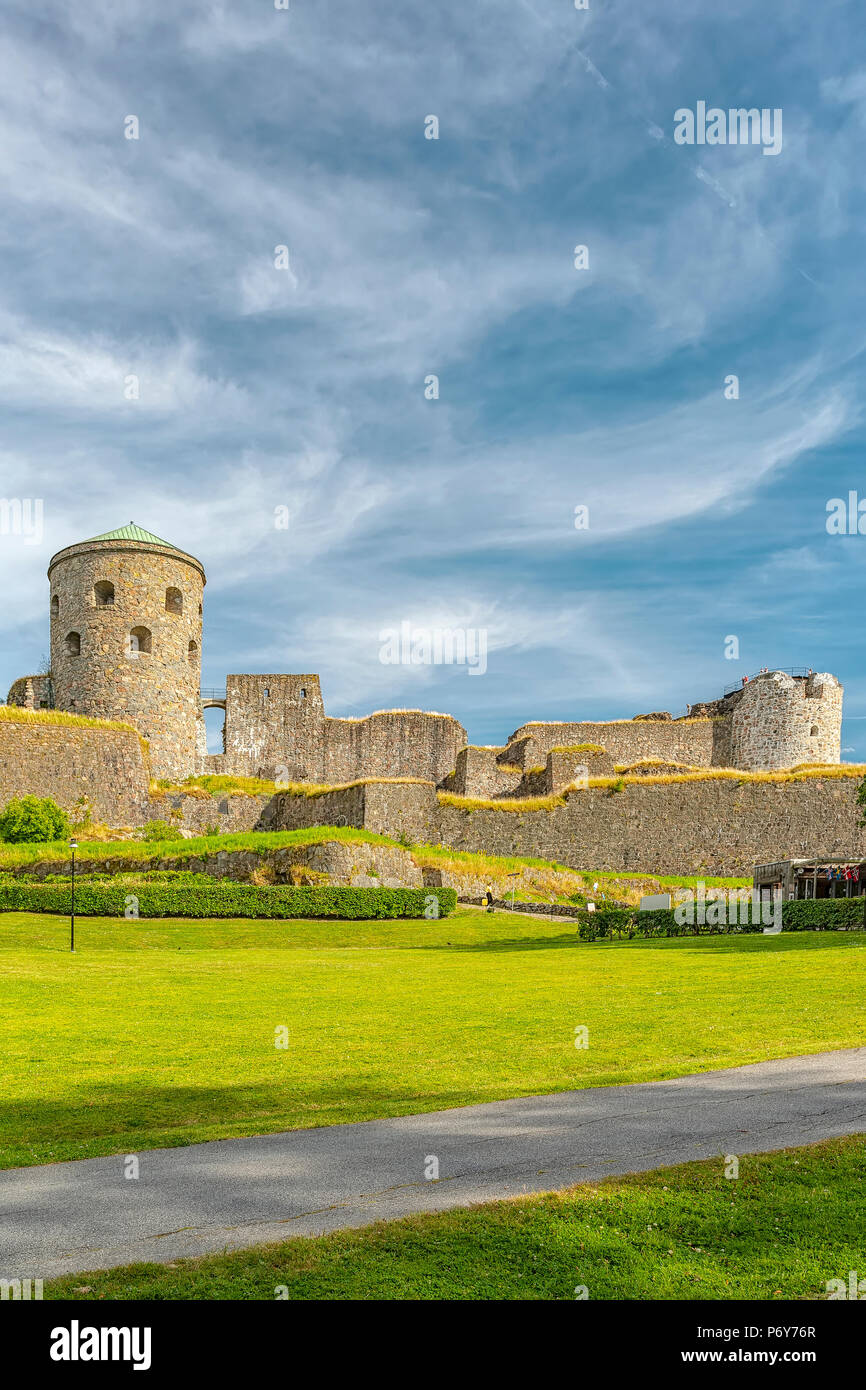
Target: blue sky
{"type": "Point", "coordinates": [559, 387]}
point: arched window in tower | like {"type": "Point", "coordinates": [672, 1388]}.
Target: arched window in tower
{"type": "Point", "coordinates": [813, 732]}
{"type": "Point", "coordinates": [173, 601]}
{"type": "Point", "coordinates": [103, 594]}
{"type": "Point", "coordinates": [139, 642]}
{"type": "Point", "coordinates": [192, 653]}
{"type": "Point", "coordinates": [55, 606]}
{"type": "Point", "coordinates": [73, 644]}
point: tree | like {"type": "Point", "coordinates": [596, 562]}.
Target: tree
{"type": "Point", "coordinates": [33, 820]}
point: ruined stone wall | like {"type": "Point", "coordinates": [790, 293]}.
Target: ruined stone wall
{"type": "Point", "coordinates": [95, 666]}
{"type": "Point", "coordinates": [31, 692]}
{"type": "Point", "coordinates": [396, 809]}
{"type": "Point", "coordinates": [720, 826]}
{"type": "Point", "coordinates": [345, 807]}
{"type": "Point", "coordinates": [780, 721]}
{"type": "Point", "coordinates": [275, 727]}
{"type": "Point", "coordinates": [200, 814]}
{"type": "Point", "coordinates": [478, 773]}
{"type": "Point", "coordinates": [69, 762]}
{"type": "Point", "coordinates": [701, 743]}
{"type": "Point", "coordinates": [715, 827]}
{"type": "Point", "coordinates": [562, 769]}
{"type": "Point", "coordinates": [359, 865]}
{"type": "Point", "coordinates": [392, 743]}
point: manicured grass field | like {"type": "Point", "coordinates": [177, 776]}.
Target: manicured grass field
{"type": "Point", "coordinates": [789, 1223]}
{"type": "Point", "coordinates": [162, 1033]}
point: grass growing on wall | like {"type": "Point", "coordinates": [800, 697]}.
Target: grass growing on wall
{"type": "Point", "coordinates": [14, 714]}
{"type": "Point", "coordinates": [479, 803]}
{"type": "Point", "coordinates": [601, 723]}
{"type": "Point", "coordinates": [670, 764]}
{"type": "Point", "coordinates": [142, 853]}
{"type": "Point", "coordinates": [443, 857]}
{"type": "Point", "coordinates": [215, 785]}
{"type": "Point", "coordinates": [730, 774]}
{"type": "Point", "coordinates": [159, 1033]}
{"type": "Point", "coordinates": [802, 773]}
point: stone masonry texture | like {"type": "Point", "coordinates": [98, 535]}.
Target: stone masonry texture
{"type": "Point", "coordinates": [103, 593]}
{"type": "Point", "coordinates": [71, 762]}
{"type": "Point", "coordinates": [715, 827]}
{"type": "Point", "coordinates": [126, 636]}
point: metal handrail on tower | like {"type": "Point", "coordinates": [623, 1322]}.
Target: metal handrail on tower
{"type": "Point", "coordinates": [798, 672]}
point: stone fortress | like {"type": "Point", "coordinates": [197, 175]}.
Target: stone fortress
{"type": "Point", "coordinates": [126, 635]}
{"type": "Point", "coordinates": [652, 794]}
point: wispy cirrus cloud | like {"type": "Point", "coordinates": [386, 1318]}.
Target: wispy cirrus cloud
{"type": "Point", "coordinates": [408, 257]}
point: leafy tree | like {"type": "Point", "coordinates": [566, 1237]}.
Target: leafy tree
{"type": "Point", "coordinates": [33, 820]}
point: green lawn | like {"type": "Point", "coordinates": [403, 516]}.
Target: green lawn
{"type": "Point", "coordinates": [162, 1033]}
{"type": "Point", "coordinates": [789, 1223]}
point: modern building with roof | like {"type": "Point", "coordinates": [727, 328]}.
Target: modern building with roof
{"type": "Point", "coordinates": [824, 877]}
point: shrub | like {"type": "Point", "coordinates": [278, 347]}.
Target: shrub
{"type": "Point", "coordinates": [823, 914]}
{"type": "Point", "coordinates": [33, 820]}
{"type": "Point", "coordinates": [157, 830]}
{"type": "Point", "coordinates": [223, 898]}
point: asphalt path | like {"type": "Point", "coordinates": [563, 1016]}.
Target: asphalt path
{"type": "Point", "coordinates": [68, 1217]}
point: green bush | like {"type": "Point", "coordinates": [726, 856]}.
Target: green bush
{"type": "Point", "coordinates": [223, 898]}
{"type": "Point", "coordinates": [157, 830]}
{"type": "Point", "coordinates": [33, 820]}
{"type": "Point", "coordinates": [823, 914]}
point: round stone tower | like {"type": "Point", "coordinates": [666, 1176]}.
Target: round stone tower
{"type": "Point", "coordinates": [780, 721]}
{"type": "Point", "coordinates": [126, 619]}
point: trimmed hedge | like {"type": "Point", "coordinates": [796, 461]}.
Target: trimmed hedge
{"type": "Point", "coordinates": [823, 914]}
{"type": "Point", "coordinates": [222, 898]}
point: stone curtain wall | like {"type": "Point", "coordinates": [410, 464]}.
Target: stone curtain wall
{"type": "Point", "coordinates": [773, 720]}
{"type": "Point", "coordinates": [395, 809]}
{"type": "Point", "coordinates": [68, 762]}
{"type": "Point", "coordinates": [393, 743]}
{"type": "Point", "coordinates": [714, 827]}
{"type": "Point", "coordinates": [339, 808]}
{"type": "Point", "coordinates": [276, 726]}
{"type": "Point", "coordinates": [402, 810]}
{"type": "Point", "coordinates": [702, 743]}
{"type": "Point", "coordinates": [200, 814]}
{"type": "Point", "coordinates": [157, 691]}
{"type": "Point", "coordinates": [274, 723]}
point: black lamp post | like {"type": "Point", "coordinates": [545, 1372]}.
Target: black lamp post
{"type": "Point", "coordinates": [73, 845]}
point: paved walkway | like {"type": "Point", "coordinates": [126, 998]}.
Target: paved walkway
{"type": "Point", "coordinates": [68, 1217]}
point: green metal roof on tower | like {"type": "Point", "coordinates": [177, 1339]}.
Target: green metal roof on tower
{"type": "Point", "coordinates": [131, 533]}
